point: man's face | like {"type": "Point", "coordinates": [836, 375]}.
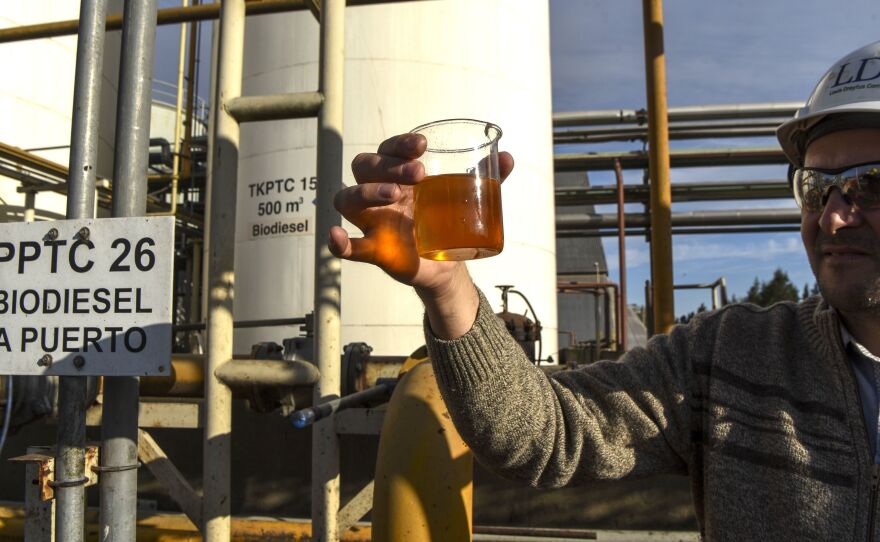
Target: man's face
{"type": "Point", "coordinates": [843, 241]}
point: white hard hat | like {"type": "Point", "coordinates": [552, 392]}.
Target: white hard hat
{"type": "Point", "coordinates": [852, 85]}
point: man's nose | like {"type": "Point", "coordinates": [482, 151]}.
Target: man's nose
{"type": "Point", "coordinates": [839, 212]}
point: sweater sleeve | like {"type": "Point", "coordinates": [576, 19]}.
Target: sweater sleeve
{"type": "Point", "coordinates": [608, 420]}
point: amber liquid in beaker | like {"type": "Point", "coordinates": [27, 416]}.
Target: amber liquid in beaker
{"type": "Point", "coordinates": [458, 217]}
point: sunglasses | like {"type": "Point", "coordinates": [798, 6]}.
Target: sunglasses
{"type": "Point", "coordinates": [859, 185]}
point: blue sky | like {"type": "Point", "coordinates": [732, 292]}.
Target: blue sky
{"type": "Point", "coordinates": [716, 53]}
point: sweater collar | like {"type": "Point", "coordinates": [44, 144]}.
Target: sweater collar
{"type": "Point", "coordinates": [847, 339]}
{"type": "Point", "coordinates": [822, 324]}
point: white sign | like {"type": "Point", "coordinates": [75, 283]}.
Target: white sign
{"type": "Point", "coordinates": [86, 297]}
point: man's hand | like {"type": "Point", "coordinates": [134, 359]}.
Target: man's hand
{"type": "Point", "coordinates": [381, 205]}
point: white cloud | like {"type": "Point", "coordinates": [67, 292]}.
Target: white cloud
{"type": "Point", "coordinates": [746, 255]}
{"type": "Point", "coordinates": [766, 250]}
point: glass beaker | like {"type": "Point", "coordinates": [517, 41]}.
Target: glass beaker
{"type": "Point", "coordinates": [457, 207]}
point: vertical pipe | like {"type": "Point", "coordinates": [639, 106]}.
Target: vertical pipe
{"type": "Point", "coordinates": [658, 142]}
{"type": "Point", "coordinates": [30, 206]}
{"type": "Point", "coordinates": [70, 459]}
{"type": "Point", "coordinates": [86, 110]}
{"type": "Point", "coordinates": [597, 317]}
{"type": "Point", "coordinates": [119, 420]}
{"type": "Point", "coordinates": [325, 444]}
{"type": "Point", "coordinates": [621, 258]}
{"type": "Point", "coordinates": [195, 305]}
{"type": "Point", "coordinates": [186, 168]}
{"type": "Point", "coordinates": [607, 292]}
{"type": "Point", "coordinates": [218, 398]}
{"type": "Point", "coordinates": [175, 162]}
{"type": "Point", "coordinates": [70, 455]}
{"type": "Point", "coordinates": [209, 167]}
{"type": "Point", "coordinates": [133, 109]}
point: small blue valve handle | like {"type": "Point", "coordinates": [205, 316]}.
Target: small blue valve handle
{"type": "Point", "coordinates": [307, 416]}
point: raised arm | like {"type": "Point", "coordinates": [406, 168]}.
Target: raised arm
{"type": "Point", "coordinates": [610, 420]}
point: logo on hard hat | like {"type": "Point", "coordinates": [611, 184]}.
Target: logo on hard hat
{"type": "Point", "coordinates": [863, 74]}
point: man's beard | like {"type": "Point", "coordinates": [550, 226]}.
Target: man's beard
{"type": "Point", "coordinates": [846, 294]}
{"type": "Point", "coordinates": [853, 297]}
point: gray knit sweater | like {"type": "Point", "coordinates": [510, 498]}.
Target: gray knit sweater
{"type": "Point", "coordinates": [758, 406]}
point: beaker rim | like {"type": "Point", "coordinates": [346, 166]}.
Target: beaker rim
{"type": "Point", "coordinates": [487, 127]}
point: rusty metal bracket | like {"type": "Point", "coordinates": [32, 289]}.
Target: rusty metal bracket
{"type": "Point", "coordinates": [44, 461]}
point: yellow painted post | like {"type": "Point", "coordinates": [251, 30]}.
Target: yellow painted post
{"type": "Point", "coordinates": [424, 471]}
{"type": "Point", "coordinates": [658, 145]}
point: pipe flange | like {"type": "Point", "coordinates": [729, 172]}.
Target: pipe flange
{"type": "Point", "coordinates": [116, 468]}
{"type": "Point", "coordinates": [68, 483]}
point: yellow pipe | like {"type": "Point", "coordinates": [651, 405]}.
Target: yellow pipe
{"type": "Point", "coordinates": [424, 471]}
{"type": "Point", "coordinates": [658, 146]}
{"type": "Point", "coordinates": [178, 528]}
{"type": "Point", "coordinates": [164, 16]}
{"type": "Point", "coordinates": [186, 379]}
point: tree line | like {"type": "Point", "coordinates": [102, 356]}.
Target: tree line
{"type": "Point", "coordinates": [764, 293]}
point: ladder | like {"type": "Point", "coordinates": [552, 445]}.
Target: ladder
{"type": "Point", "coordinates": [230, 109]}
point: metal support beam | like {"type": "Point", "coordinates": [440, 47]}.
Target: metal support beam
{"type": "Point", "coordinates": [70, 475]}
{"type": "Point", "coordinates": [702, 191]}
{"type": "Point", "coordinates": [642, 135]}
{"type": "Point", "coordinates": [119, 424]}
{"type": "Point", "coordinates": [642, 232]}
{"type": "Point", "coordinates": [167, 16]}
{"type": "Point", "coordinates": [679, 114]}
{"type": "Point", "coordinates": [157, 412]}
{"type": "Point", "coordinates": [297, 105]}
{"type": "Point", "coordinates": [733, 217]}
{"type": "Point", "coordinates": [325, 442]}
{"type": "Point", "coordinates": [597, 161]}
{"type": "Point", "coordinates": [358, 507]}
{"type": "Point", "coordinates": [217, 462]}
{"type": "Point", "coordinates": [172, 480]}
{"type": "Point", "coordinates": [198, 326]}
{"type": "Point", "coordinates": [315, 8]}
{"type": "Point", "coordinates": [673, 127]}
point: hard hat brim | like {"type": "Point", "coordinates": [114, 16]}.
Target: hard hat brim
{"type": "Point", "coordinates": [791, 134]}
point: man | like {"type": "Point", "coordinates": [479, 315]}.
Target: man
{"type": "Point", "coordinates": [772, 412]}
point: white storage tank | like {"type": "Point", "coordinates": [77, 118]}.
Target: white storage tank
{"type": "Point", "coordinates": [406, 64]}
{"type": "Point", "coordinates": [36, 98]}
